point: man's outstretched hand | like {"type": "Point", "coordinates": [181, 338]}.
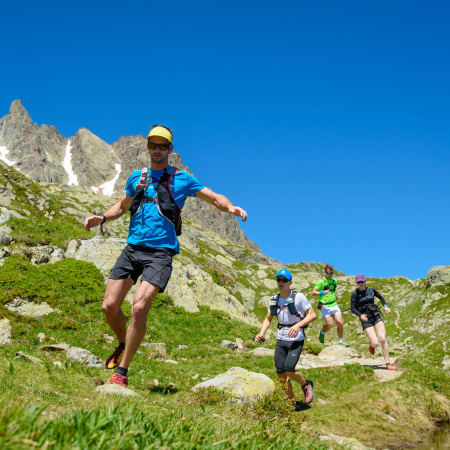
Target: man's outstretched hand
{"type": "Point", "coordinates": [239, 212]}
{"type": "Point", "coordinates": [92, 221]}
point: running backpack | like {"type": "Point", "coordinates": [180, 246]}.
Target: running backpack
{"type": "Point", "coordinates": [273, 304]}
{"type": "Point", "coordinates": [166, 204]}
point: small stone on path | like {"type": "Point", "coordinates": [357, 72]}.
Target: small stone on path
{"type": "Point", "coordinates": [263, 351]}
{"type": "Point", "coordinates": [229, 344]}
{"type": "Point", "coordinates": [115, 389]}
{"type": "Point", "coordinates": [182, 347]}
{"type": "Point", "coordinates": [5, 332]}
{"type": "Point", "coordinates": [30, 358]}
{"type": "Point", "coordinates": [170, 361]}
{"type": "Point", "coordinates": [108, 338]}
{"type": "Point", "coordinates": [41, 336]}
{"type": "Point", "coordinates": [83, 356]}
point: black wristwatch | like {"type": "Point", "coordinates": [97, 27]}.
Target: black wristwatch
{"type": "Point", "coordinates": [104, 219]}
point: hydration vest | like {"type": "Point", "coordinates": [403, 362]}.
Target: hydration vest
{"type": "Point", "coordinates": [274, 309]}
{"type": "Point", "coordinates": [166, 204]}
{"type": "Point", "coordinates": [367, 303]}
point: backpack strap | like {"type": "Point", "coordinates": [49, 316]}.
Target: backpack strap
{"type": "Point", "coordinates": [140, 192]}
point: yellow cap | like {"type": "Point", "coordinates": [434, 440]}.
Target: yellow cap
{"type": "Point", "coordinates": [161, 132]}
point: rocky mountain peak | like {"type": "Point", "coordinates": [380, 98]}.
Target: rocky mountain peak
{"type": "Point", "coordinates": [18, 111]}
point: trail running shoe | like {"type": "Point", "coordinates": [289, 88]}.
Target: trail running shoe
{"type": "Point", "coordinates": [389, 366]}
{"type": "Point", "coordinates": [308, 391]}
{"type": "Point", "coordinates": [119, 379]}
{"type": "Point", "coordinates": [321, 337]}
{"type": "Point", "coordinates": [298, 406]}
{"type": "Point", "coordinates": [114, 360]}
{"type": "Point", "coordinates": [371, 350]}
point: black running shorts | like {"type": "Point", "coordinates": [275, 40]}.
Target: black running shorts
{"type": "Point", "coordinates": [287, 354]}
{"type": "Point", "coordinates": [372, 321]}
{"type": "Point", "coordinates": [153, 263]}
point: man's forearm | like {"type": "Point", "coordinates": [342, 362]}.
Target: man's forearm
{"type": "Point", "coordinates": [114, 212]}
{"type": "Point", "coordinates": [265, 326]}
{"type": "Point", "coordinates": [223, 203]}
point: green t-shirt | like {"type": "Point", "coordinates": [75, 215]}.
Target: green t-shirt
{"type": "Point", "coordinates": [330, 298]}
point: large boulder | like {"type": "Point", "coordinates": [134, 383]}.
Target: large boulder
{"type": "Point", "coordinates": [243, 385]}
{"type": "Point", "coordinates": [438, 275]}
{"type": "Point", "coordinates": [102, 252]}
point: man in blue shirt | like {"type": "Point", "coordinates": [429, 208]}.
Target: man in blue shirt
{"type": "Point", "coordinates": [151, 244]}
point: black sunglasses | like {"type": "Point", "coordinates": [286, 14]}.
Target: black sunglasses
{"type": "Point", "coordinates": [282, 280]}
{"type": "Point", "coordinates": [359, 282]}
{"type": "Point", "coordinates": [154, 146]}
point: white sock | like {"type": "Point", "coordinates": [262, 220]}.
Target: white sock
{"type": "Point", "coordinates": [341, 340]}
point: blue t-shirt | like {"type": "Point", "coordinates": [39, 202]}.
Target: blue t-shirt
{"type": "Point", "coordinates": [148, 227]}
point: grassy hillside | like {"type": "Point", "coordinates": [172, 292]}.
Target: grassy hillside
{"type": "Point", "coordinates": [51, 407]}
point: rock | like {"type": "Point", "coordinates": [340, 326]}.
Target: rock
{"type": "Point", "coordinates": [270, 284]}
{"type": "Point", "coordinates": [27, 308]}
{"type": "Point", "coordinates": [4, 216]}
{"type": "Point", "coordinates": [338, 351]}
{"type": "Point", "coordinates": [56, 255]}
{"type": "Point", "coordinates": [40, 336]}
{"type": "Point", "coordinates": [83, 356]}
{"type": "Point", "coordinates": [194, 377]}
{"type": "Point", "coordinates": [157, 350]}
{"type": "Point", "coordinates": [58, 364]}
{"type": "Point", "coordinates": [5, 235]}
{"type": "Point", "coordinates": [71, 249]}
{"type": "Point", "coordinates": [32, 359]}
{"type": "Point", "coordinates": [438, 275]}
{"type": "Point", "coordinates": [229, 344]}
{"type": "Point", "coordinates": [240, 344]}
{"type": "Point", "coordinates": [224, 261]}
{"type": "Point", "coordinates": [350, 443]}
{"type": "Point", "coordinates": [182, 347]}
{"type": "Point", "coordinates": [242, 385]}
{"type": "Point", "coordinates": [55, 347]}
{"type": "Point", "coordinates": [40, 254]}
{"type": "Point", "coordinates": [170, 361]}
{"type": "Point", "coordinates": [115, 389]}
{"type": "Point", "coordinates": [261, 274]}
{"type": "Point", "coordinates": [108, 338]}
{"type": "Point", "coordinates": [263, 351]}
{"type": "Point", "coordinates": [102, 252]}
{"type": "Point", "coordinates": [5, 332]}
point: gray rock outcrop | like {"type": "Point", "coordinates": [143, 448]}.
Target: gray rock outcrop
{"type": "Point", "coordinates": [438, 275]}
{"type": "Point", "coordinates": [241, 384]}
{"type": "Point", "coordinates": [28, 308]}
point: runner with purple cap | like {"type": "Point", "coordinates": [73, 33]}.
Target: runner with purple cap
{"type": "Point", "coordinates": [363, 305]}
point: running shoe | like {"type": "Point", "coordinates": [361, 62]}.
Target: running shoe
{"type": "Point", "coordinates": [371, 350]}
{"type": "Point", "coordinates": [114, 360]}
{"type": "Point", "coordinates": [119, 379]}
{"type": "Point", "coordinates": [308, 391]}
{"type": "Point", "coordinates": [344, 344]}
{"type": "Point", "coordinates": [321, 337]}
{"type": "Point", "coordinates": [389, 366]}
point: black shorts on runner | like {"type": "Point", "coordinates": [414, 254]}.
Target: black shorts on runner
{"type": "Point", "coordinates": [287, 354]}
{"type": "Point", "coordinates": [372, 321]}
{"type": "Point", "coordinates": [153, 263]}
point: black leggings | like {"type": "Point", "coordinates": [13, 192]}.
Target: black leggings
{"type": "Point", "coordinates": [287, 354]}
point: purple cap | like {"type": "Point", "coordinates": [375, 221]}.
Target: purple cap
{"type": "Point", "coordinates": [360, 277]}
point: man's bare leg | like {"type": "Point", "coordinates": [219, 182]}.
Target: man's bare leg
{"type": "Point", "coordinates": [142, 301]}
{"type": "Point", "coordinates": [116, 291]}
{"type": "Point", "coordinates": [339, 325]}
{"type": "Point", "coordinates": [287, 385]}
{"type": "Point", "coordinates": [297, 377]}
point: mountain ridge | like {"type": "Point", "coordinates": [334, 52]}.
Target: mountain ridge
{"type": "Point", "coordinates": [85, 160]}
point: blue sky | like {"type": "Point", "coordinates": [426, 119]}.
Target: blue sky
{"type": "Point", "coordinates": [328, 121]}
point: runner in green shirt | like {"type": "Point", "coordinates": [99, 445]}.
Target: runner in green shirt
{"type": "Point", "coordinates": [326, 289]}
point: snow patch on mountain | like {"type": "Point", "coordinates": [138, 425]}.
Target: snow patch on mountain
{"type": "Point", "coordinates": [3, 152]}
{"type": "Point", "coordinates": [67, 164]}
{"type": "Point", "coordinates": [108, 186]}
